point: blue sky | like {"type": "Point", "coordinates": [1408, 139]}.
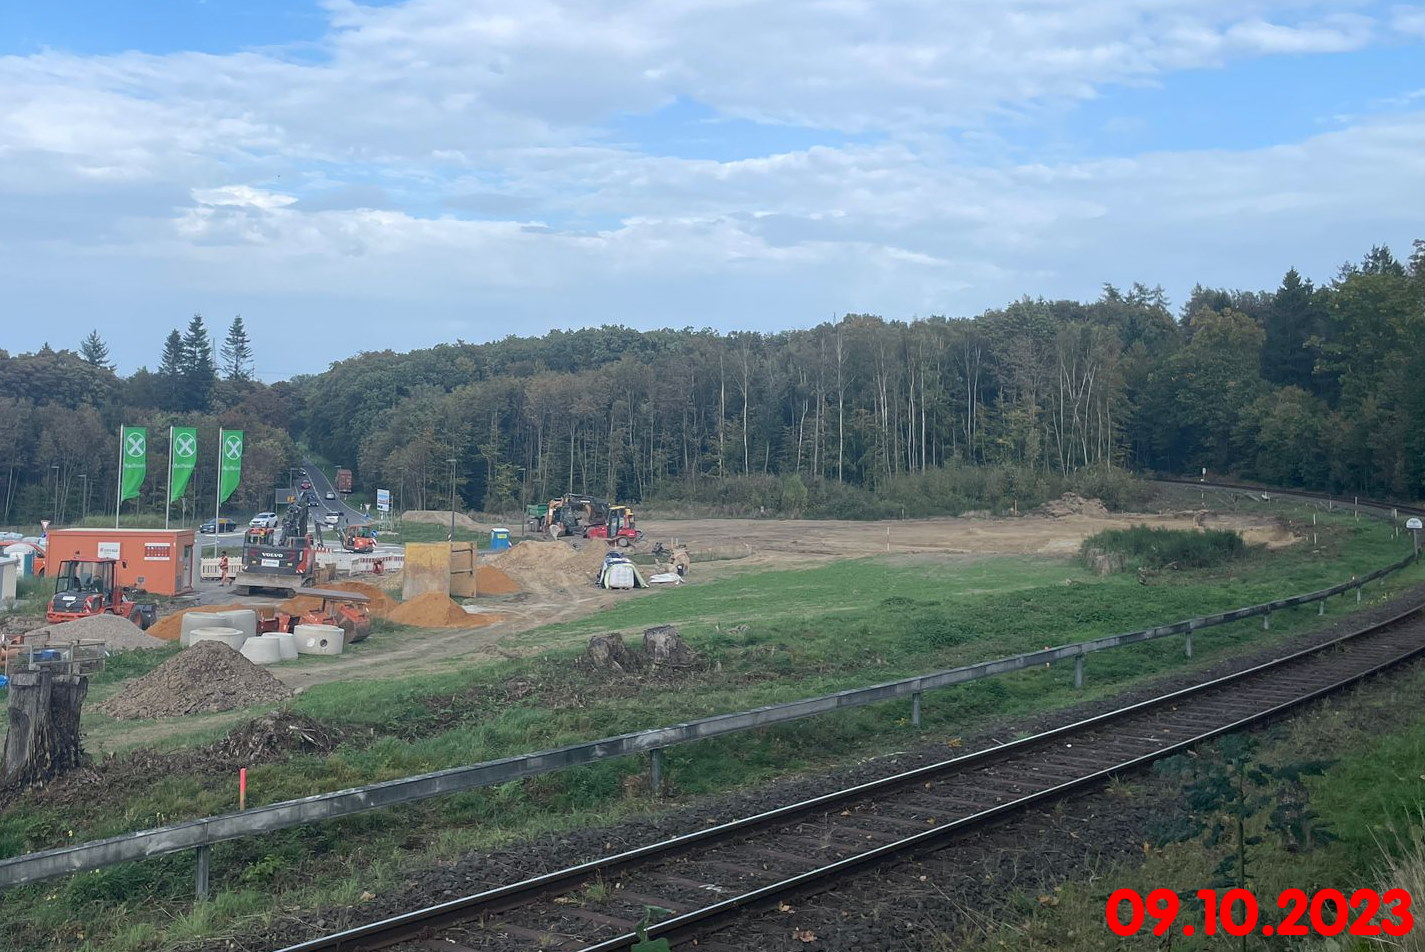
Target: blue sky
{"type": "Point", "coordinates": [414, 172]}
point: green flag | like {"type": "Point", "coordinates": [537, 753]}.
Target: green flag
{"type": "Point", "coordinates": [229, 463]}
{"type": "Point", "coordinates": [182, 458]}
{"type": "Point", "coordinates": [133, 460]}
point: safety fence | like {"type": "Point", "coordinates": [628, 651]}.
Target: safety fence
{"type": "Point", "coordinates": [201, 834]}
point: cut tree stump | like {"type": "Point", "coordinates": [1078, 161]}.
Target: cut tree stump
{"type": "Point", "coordinates": [43, 741]}
{"type": "Point", "coordinates": [608, 653]}
{"type": "Point", "coordinates": [665, 648]}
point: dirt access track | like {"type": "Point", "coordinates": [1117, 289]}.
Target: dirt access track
{"type": "Point", "coordinates": [803, 539]}
{"type": "Point", "coordinates": [742, 545]}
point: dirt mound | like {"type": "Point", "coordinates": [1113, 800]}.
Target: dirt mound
{"type": "Point", "coordinates": [438, 518]}
{"type": "Point", "coordinates": [434, 610]}
{"type": "Point", "coordinates": [272, 737]}
{"type": "Point", "coordinates": [381, 604]}
{"type": "Point", "coordinates": [118, 634]}
{"type": "Point", "coordinates": [492, 581]}
{"type": "Point", "coordinates": [207, 677]}
{"type": "Point", "coordinates": [1071, 504]}
{"type": "Point", "coordinates": [542, 566]}
{"type": "Point", "coordinates": [170, 627]}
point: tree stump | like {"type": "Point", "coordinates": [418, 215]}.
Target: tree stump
{"type": "Point", "coordinates": [665, 648]}
{"type": "Point", "coordinates": [608, 653]}
{"type": "Point", "coordinates": [43, 741]}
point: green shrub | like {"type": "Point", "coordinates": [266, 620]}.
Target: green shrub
{"type": "Point", "coordinates": [1156, 548]}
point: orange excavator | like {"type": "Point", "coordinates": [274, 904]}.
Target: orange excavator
{"type": "Point", "coordinates": [346, 610]}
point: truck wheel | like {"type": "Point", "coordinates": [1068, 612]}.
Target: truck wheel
{"type": "Point", "coordinates": [624, 542]}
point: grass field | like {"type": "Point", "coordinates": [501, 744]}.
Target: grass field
{"type": "Point", "coordinates": [767, 637]}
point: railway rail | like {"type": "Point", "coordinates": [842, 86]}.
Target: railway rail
{"type": "Point", "coordinates": [705, 879]}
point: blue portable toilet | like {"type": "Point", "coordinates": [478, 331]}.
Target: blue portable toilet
{"type": "Point", "coordinates": [499, 539]}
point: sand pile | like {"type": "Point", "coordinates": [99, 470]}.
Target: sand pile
{"type": "Point", "coordinates": [432, 610]}
{"type": "Point", "coordinates": [118, 634]}
{"type": "Point", "coordinates": [207, 677]}
{"type": "Point", "coordinates": [170, 627]}
{"type": "Point", "coordinates": [492, 581]}
{"type": "Point", "coordinates": [1071, 504]}
{"type": "Point", "coordinates": [539, 564]}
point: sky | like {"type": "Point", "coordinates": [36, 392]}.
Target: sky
{"type": "Point", "coordinates": [361, 176]}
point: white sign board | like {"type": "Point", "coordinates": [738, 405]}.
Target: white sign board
{"type": "Point", "coordinates": [109, 550]}
{"type": "Point", "coordinates": [383, 500]}
{"type": "Point", "coordinates": [1413, 523]}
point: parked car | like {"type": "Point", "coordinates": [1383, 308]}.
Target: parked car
{"type": "Point", "coordinates": [330, 494]}
{"type": "Point", "coordinates": [214, 526]}
{"type": "Point", "coordinates": [264, 520]}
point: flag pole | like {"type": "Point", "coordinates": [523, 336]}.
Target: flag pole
{"type": "Point", "coordinates": [119, 485]}
{"type": "Point", "coordinates": [218, 492]}
{"type": "Point", "coordinates": [168, 494]}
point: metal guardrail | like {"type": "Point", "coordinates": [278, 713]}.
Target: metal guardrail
{"type": "Point", "coordinates": [201, 834]}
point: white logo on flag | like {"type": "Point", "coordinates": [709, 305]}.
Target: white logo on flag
{"type": "Point", "coordinates": [185, 445]}
{"type": "Point", "coordinates": [232, 447]}
{"type": "Point", "coordinates": [134, 446]}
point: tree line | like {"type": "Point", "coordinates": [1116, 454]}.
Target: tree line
{"type": "Point", "coordinates": [1304, 385]}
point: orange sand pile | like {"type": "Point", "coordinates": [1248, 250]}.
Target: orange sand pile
{"type": "Point", "coordinates": [431, 610]}
{"type": "Point", "coordinates": [492, 581]}
{"type": "Point", "coordinates": [171, 626]}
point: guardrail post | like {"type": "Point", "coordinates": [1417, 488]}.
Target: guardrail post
{"type": "Point", "coordinates": [1266, 621]}
{"type": "Point", "coordinates": [1358, 594]}
{"type": "Point", "coordinates": [915, 709]}
{"type": "Point", "coordinates": [655, 771]}
{"type": "Point", "coordinates": [1321, 607]}
{"type": "Point", "coordinates": [200, 883]}
{"type": "Point", "coordinates": [1079, 671]}
{"type": "Point", "coordinates": [1187, 646]}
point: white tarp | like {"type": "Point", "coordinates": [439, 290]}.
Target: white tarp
{"type": "Point", "coordinates": [618, 572]}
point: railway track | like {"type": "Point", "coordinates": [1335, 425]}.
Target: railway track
{"type": "Point", "coordinates": [705, 879]}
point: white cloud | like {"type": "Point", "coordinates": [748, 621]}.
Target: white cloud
{"type": "Point", "coordinates": [349, 177]}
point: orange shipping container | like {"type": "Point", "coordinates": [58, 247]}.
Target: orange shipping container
{"type": "Point", "coordinates": [162, 561]}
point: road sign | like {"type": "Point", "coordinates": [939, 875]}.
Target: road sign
{"type": "Point", "coordinates": [383, 500]}
{"type": "Point", "coordinates": [1413, 523]}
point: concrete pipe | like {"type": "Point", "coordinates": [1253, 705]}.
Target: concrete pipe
{"type": "Point", "coordinates": [319, 639]}
{"type": "Point", "coordinates": [286, 644]}
{"type": "Point", "coordinates": [261, 651]}
{"type": "Point", "coordinates": [229, 636]}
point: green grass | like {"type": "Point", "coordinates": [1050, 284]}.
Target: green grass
{"type": "Point", "coordinates": [768, 636]}
{"type": "Point", "coordinates": [428, 532]}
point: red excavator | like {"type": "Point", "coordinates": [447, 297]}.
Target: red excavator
{"type": "Point", "coordinates": [358, 538]}
{"type": "Point", "coordinates": [618, 528]}
{"type": "Point", "coordinates": [87, 587]}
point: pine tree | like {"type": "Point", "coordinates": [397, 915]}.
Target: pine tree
{"type": "Point", "coordinates": [170, 372]}
{"type": "Point", "coordinates": [237, 352]}
{"type": "Point", "coordinates": [199, 374]}
{"type": "Point", "coordinates": [95, 352]}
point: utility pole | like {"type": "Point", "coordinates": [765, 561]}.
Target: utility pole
{"type": "Point", "coordinates": [84, 483]}
{"type": "Point", "coordinates": [55, 467]}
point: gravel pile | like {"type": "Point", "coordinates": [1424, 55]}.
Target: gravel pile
{"type": "Point", "coordinates": [118, 634]}
{"type": "Point", "coordinates": [207, 677]}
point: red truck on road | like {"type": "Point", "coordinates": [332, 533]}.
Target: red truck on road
{"type": "Point", "coordinates": [343, 480]}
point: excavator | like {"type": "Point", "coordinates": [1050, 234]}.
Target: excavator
{"type": "Point", "coordinates": [345, 610]}
{"type": "Point", "coordinates": [87, 587]}
{"type": "Point", "coordinates": [617, 529]}
{"type": "Point", "coordinates": [283, 559]}
{"type": "Point", "coordinates": [358, 538]}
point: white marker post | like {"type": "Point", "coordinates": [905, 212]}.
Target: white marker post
{"type": "Point", "coordinates": [1415, 525]}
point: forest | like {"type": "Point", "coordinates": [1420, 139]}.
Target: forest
{"type": "Point", "coordinates": [1309, 386]}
